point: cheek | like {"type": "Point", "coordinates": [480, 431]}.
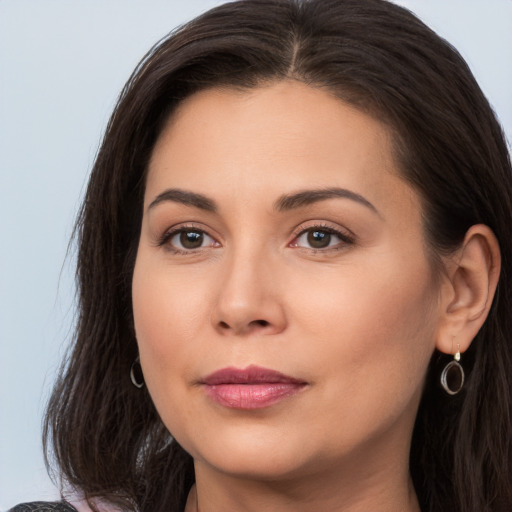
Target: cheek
{"type": "Point", "coordinates": [168, 313]}
{"type": "Point", "coordinates": [361, 310]}
{"type": "Point", "coordinates": [374, 334]}
{"type": "Point", "coordinates": [166, 303]}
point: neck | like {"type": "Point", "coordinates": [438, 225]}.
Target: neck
{"type": "Point", "coordinates": [357, 489]}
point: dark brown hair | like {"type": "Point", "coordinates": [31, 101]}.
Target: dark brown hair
{"type": "Point", "coordinates": [106, 435]}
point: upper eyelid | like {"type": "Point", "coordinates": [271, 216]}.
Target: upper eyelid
{"type": "Point", "coordinates": [190, 226]}
{"type": "Point", "coordinates": [170, 232]}
{"type": "Point", "coordinates": [345, 236]}
{"type": "Point", "coordinates": [302, 228]}
{"type": "Point", "coordinates": [342, 230]}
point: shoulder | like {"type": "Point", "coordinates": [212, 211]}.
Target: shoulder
{"type": "Point", "coordinates": [44, 506]}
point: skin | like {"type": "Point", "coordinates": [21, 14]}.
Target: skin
{"type": "Point", "coordinates": [357, 320]}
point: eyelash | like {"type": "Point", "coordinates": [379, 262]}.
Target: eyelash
{"type": "Point", "coordinates": [345, 238]}
{"type": "Point", "coordinates": [164, 240]}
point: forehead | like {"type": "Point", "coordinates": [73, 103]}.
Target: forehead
{"type": "Point", "coordinates": [273, 139]}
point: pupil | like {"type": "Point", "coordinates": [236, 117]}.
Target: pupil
{"type": "Point", "coordinates": [191, 239]}
{"type": "Point", "coordinates": [319, 239]}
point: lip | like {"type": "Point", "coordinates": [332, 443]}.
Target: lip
{"type": "Point", "coordinates": [253, 387]}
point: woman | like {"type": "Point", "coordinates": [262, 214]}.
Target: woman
{"type": "Point", "coordinates": [294, 258]}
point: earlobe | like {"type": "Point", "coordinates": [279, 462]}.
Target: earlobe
{"type": "Point", "coordinates": [472, 276]}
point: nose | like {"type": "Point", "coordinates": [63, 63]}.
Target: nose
{"type": "Point", "coordinates": [249, 301]}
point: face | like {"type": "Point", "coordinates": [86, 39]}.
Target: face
{"type": "Point", "coordinates": [285, 308]}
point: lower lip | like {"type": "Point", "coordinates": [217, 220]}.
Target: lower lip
{"type": "Point", "coordinates": [252, 396]}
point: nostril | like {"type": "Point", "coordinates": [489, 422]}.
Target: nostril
{"type": "Point", "coordinates": [254, 324]}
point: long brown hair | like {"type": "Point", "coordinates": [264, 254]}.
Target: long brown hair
{"type": "Point", "coordinates": [105, 434]}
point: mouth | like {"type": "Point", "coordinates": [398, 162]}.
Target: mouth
{"type": "Point", "coordinates": [250, 388]}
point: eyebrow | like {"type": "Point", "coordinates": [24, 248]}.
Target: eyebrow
{"type": "Point", "coordinates": [307, 197]}
{"type": "Point", "coordinates": [285, 203]}
{"type": "Point", "coordinates": [185, 197]}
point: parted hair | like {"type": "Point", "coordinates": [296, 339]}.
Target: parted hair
{"type": "Point", "coordinates": [102, 435]}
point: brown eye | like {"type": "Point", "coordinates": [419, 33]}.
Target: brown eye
{"type": "Point", "coordinates": [318, 239]}
{"type": "Point", "coordinates": [191, 239]}
{"type": "Point", "coordinates": [183, 240]}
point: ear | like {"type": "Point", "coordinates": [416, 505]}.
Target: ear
{"type": "Point", "coordinates": [468, 289]}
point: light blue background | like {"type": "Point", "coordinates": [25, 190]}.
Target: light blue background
{"type": "Point", "coordinates": [62, 65]}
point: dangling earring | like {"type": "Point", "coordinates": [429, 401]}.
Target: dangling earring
{"type": "Point", "coordinates": [452, 376]}
{"type": "Point", "coordinates": [136, 375]}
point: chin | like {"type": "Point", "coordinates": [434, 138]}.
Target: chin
{"type": "Point", "coordinates": [256, 466]}
{"type": "Point", "coordinates": [250, 454]}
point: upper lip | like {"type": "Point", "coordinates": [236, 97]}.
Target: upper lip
{"type": "Point", "coordinates": [250, 375]}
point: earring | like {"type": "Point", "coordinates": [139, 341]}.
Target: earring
{"type": "Point", "coordinates": [452, 376]}
{"type": "Point", "coordinates": [136, 375]}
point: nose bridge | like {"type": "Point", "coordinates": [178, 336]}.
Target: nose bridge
{"type": "Point", "coordinates": [244, 264]}
{"type": "Point", "coordinates": [248, 298]}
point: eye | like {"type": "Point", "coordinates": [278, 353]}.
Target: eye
{"type": "Point", "coordinates": [187, 239]}
{"type": "Point", "coordinates": [320, 237]}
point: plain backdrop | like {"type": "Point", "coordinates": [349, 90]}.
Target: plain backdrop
{"type": "Point", "coordinates": [62, 65]}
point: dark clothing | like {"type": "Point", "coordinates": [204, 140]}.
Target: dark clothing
{"type": "Point", "coordinates": [43, 506]}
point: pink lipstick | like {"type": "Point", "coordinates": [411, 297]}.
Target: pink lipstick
{"type": "Point", "coordinates": [250, 388]}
